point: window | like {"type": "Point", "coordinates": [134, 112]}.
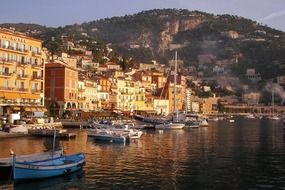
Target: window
{"type": "Point", "coordinates": [5, 84]}
{"type": "Point", "coordinates": [6, 70]}
{"type": "Point", "coordinates": [6, 44]}
{"type": "Point", "coordinates": [6, 57]}
{"type": "Point", "coordinates": [33, 86]}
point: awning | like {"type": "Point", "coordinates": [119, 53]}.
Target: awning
{"type": "Point", "coordinates": [33, 109]}
{"type": "Point", "coordinates": [27, 109]}
{"type": "Point", "coordinates": [15, 108]}
{"type": "Point", "coordinates": [30, 96]}
{"type": "Point", "coordinates": [2, 95]}
{"type": "Point", "coordinates": [11, 95]}
{"type": "Point", "coordinates": [38, 109]}
{"type": "Point", "coordinates": [35, 96]}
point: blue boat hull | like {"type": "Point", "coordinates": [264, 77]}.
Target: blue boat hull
{"type": "Point", "coordinates": [49, 168]}
{"type": "Point", "coordinates": [24, 174]}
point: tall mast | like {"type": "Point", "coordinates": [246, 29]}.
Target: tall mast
{"type": "Point", "coordinates": [175, 73]}
{"type": "Point", "coordinates": [272, 102]}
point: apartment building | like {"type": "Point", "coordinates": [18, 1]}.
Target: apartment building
{"type": "Point", "coordinates": [61, 88]}
{"type": "Point", "coordinates": [22, 72]}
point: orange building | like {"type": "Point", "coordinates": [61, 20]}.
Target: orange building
{"type": "Point", "coordinates": [104, 83]}
{"type": "Point", "coordinates": [21, 73]}
{"type": "Point", "coordinates": [168, 92]}
{"type": "Point", "coordinates": [61, 90]}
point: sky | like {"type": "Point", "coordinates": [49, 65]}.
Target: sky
{"type": "Point", "coordinates": [64, 12]}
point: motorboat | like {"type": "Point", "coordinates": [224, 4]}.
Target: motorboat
{"type": "Point", "coordinates": [170, 126]}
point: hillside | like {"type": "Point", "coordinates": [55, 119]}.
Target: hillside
{"type": "Point", "coordinates": [202, 40]}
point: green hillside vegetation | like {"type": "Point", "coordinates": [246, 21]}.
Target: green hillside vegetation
{"type": "Point", "coordinates": [196, 33]}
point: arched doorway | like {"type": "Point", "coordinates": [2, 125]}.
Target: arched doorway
{"type": "Point", "coordinates": [54, 109]}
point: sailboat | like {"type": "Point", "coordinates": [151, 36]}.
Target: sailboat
{"type": "Point", "coordinates": [273, 116]}
{"type": "Point", "coordinates": [174, 124]}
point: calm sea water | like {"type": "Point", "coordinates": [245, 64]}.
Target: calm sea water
{"type": "Point", "coordinates": [247, 154]}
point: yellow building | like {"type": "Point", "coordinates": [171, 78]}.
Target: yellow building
{"type": "Point", "coordinates": [125, 94]}
{"type": "Point", "coordinates": [21, 73]}
{"type": "Point", "coordinates": [161, 106]}
{"type": "Point", "coordinates": [140, 100]}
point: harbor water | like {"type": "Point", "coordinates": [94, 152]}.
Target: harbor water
{"type": "Point", "coordinates": [245, 154]}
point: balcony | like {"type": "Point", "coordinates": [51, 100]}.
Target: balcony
{"type": "Point", "coordinates": [22, 64]}
{"type": "Point", "coordinates": [7, 61]}
{"type": "Point", "coordinates": [23, 76]}
{"type": "Point", "coordinates": [6, 74]}
{"type": "Point", "coordinates": [13, 49]}
{"type": "Point", "coordinates": [81, 89]}
{"type": "Point", "coordinates": [81, 98]}
{"type": "Point", "coordinates": [37, 66]}
{"type": "Point", "coordinates": [37, 78]}
{"type": "Point", "coordinates": [37, 91]}
{"type": "Point", "coordinates": [38, 54]}
{"type": "Point", "coordinates": [5, 88]}
{"type": "Point", "coordinates": [22, 89]}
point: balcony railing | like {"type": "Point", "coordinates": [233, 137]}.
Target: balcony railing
{"type": "Point", "coordinates": [37, 78]}
{"type": "Point", "coordinates": [81, 98]}
{"type": "Point", "coordinates": [23, 76]}
{"type": "Point", "coordinates": [37, 90]}
{"type": "Point", "coordinates": [22, 89]}
{"type": "Point", "coordinates": [81, 89]}
{"type": "Point", "coordinates": [6, 74]}
{"type": "Point", "coordinates": [7, 61]}
{"type": "Point", "coordinates": [6, 88]}
{"type": "Point", "coordinates": [37, 66]}
{"type": "Point", "coordinates": [22, 63]}
{"type": "Point", "coordinates": [14, 49]}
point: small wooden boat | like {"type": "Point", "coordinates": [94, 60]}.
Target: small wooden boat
{"type": "Point", "coordinates": [52, 167]}
{"type": "Point", "coordinates": [6, 163]}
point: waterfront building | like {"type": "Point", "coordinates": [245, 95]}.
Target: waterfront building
{"type": "Point", "coordinates": [209, 105]}
{"type": "Point", "coordinates": [87, 95]}
{"type": "Point", "coordinates": [168, 92]}
{"type": "Point", "coordinates": [125, 94]}
{"type": "Point", "coordinates": [161, 106]}
{"type": "Point", "coordinates": [140, 100]}
{"type": "Point", "coordinates": [61, 87]}
{"type": "Point", "coordinates": [103, 82]}
{"type": "Point", "coordinates": [21, 73]}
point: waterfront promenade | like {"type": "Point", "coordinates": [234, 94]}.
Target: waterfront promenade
{"type": "Point", "coordinates": [11, 135]}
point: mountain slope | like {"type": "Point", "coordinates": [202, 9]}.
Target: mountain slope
{"type": "Point", "coordinates": [202, 40]}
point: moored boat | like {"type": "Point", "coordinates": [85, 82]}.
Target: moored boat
{"type": "Point", "coordinates": [170, 126]}
{"type": "Point", "coordinates": [191, 124]}
{"type": "Point", "coordinates": [204, 123]}
{"type": "Point", "coordinates": [107, 135]}
{"type": "Point", "coordinates": [6, 163]}
{"type": "Point", "coordinates": [52, 167]}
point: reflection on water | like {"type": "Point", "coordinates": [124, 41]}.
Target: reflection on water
{"type": "Point", "coordinates": [246, 154]}
{"type": "Point", "coordinates": [70, 182]}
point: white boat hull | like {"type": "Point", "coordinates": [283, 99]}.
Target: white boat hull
{"type": "Point", "coordinates": [170, 126]}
